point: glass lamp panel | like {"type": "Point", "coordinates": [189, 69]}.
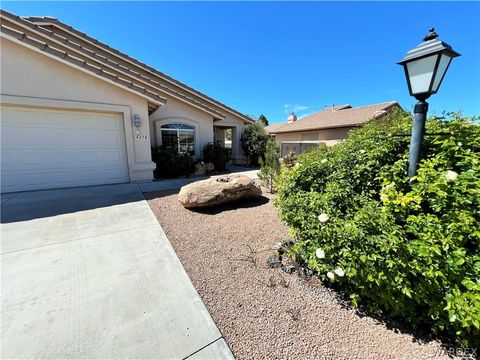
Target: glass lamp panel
{"type": "Point", "coordinates": [420, 73]}
{"type": "Point", "coordinates": [442, 67]}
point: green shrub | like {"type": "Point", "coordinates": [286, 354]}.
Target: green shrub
{"type": "Point", "coordinates": [254, 141]}
{"type": "Point", "coordinates": [170, 163]}
{"type": "Point", "coordinates": [408, 248]}
{"type": "Point", "coordinates": [270, 167]}
{"type": "Point", "coordinates": [216, 154]}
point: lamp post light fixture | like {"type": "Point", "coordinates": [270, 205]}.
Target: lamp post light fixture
{"type": "Point", "coordinates": [425, 67]}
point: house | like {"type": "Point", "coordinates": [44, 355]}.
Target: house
{"type": "Point", "coordinates": [76, 112]}
{"type": "Point", "coordinates": [328, 126]}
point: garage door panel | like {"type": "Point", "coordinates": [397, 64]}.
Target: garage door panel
{"type": "Point", "coordinates": [64, 138]}
{"type": "Point", "coordinates": [44, 148]}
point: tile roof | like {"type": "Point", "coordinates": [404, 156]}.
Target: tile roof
{"type": "Point", "coordinates": [62, 41]}
{"type": "Point", "coordinates": [335, 117]}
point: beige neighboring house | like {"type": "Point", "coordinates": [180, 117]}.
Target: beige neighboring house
{"type": "Point", "coordinates": [328, 126]}
{"type": "Point", "coordinates": [76, 112]}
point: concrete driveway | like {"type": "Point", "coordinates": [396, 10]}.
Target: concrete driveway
{"type": "Point", "coordinates": [89, 273]}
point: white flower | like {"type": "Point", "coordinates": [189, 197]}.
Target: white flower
{"type": "Point", "coordinates": [320, 253]}
{"type": "Point", "coordinates": [363, 151]}
{"type": "Point", "coordinates": [297, 164]}
{"type": "Point", "coordinates": [339, 272]}
{"type": "Point", "coordinates": [451, 175]}
{"type": "Point", "coordinates": [324, 161]}
{"type": "Point", "coordinates": [330, 275]}
{"type": "Point", "coordinates": [323, 218]}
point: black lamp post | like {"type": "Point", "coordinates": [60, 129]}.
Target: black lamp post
{"type": "Point", "coordinates": [425, 67]}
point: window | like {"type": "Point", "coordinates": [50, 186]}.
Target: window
{"type": "Point", "coordinates": [179, 136]}
{"type": "Point", "coordinates": [310, 137]}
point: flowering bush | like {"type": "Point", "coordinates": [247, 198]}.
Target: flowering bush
{"type": "Point", "coordinates": [407, 247]}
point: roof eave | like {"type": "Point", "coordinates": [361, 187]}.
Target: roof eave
{"type": "Point", "coordinates": [156, 101]}
{"type": "Point", "coordinates": [125, 57]}
{"type": "Point", "coordinates": [26, 40]}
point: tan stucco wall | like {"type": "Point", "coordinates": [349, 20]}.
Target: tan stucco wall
{"type": "Point", "coordinates": [328, 136]}
{"type": "Point", "coordinates": [175, 111]}
{"type": "Point", "coordinates": [27, 73]}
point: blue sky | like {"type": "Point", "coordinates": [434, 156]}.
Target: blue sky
{"type": "Point", "coordinates": [278, 57]}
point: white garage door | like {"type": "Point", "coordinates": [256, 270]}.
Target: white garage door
{"type": "Point", "coordinates": [43, 148]}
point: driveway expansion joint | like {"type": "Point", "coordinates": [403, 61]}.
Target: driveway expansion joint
{"type": "Point", "coordinates": [203, 347]}
{"type": "Point", "coordinates": [75, 239]}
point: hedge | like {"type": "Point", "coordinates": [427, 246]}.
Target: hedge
{"type": "Point", "coordinates": [409, 248]}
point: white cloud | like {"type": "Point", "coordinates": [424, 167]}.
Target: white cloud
{"type": "Point", "coordinates": [289, 108]}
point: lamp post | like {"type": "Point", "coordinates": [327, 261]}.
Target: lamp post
{"type": "Point", "coordinates": [425, 67]}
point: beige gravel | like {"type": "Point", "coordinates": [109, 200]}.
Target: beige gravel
{"type": "Point", "coordinates": [265, 313]}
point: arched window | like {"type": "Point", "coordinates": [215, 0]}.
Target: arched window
{"type": "Point", "coordinates": [179, 136]}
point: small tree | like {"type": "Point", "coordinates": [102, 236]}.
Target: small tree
{"type": "Point", "coordinates": [263, 120]}
{"type": "Point", "coordinates": [254, 139]}
{"type": "Point", "coordinates": [270, 167]}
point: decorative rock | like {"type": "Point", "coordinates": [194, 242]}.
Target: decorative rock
{"type": "Point", "coordinates": [305, 273]}
{"type": "Point", "coordinates": [203, 168]}
{"type": "Point", "coordinates": [288, 242]}
{"type": "Point", "coordinates": [288, 269]}
{"type": "Point", "coordinates": [274, 262]}
{"type": "Point", "coordinates": [277, 246]}
{"type": "Point", "coordinates": [218, 191]}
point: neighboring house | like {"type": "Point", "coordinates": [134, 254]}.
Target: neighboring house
{"type": "Point", "coordinates": [328, 126]}
{"type": "Point", "coordinates": [78, 112]}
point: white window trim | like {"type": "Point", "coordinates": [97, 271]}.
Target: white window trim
{"type": "Point", "coordinates": [158, 123]}
{"type": "Point", "coordinates": [177, 130]}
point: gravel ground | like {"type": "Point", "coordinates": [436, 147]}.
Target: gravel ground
{"type": "Point", "coordinates": [265, 313]}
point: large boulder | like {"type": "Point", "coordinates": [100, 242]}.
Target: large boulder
{"type": "Point", "coordinates": [218, 190]}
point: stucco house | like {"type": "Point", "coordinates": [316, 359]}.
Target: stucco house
{"type": "Point", "coordinates": [76, 112]}
{"type": "Point", "coordinates": [328, 126]}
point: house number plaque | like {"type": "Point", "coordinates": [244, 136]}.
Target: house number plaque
{"type": "Point", "coordinates": [141, 137]}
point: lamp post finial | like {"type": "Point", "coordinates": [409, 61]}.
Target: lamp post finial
{"type": "Point", "coordinates": [431, 35]}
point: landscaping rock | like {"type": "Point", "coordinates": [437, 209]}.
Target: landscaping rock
{"type": "Point", "coordinates": [275, 262]}
{"type": "Point", "coordinates": [277, 246]}
{"type": "Point", "coordinates": [218, 191]}
{"type": "Point", "coordinates": [305, 273]}
{"type": "Point", "coordinates": [288, 242]}
{"type": "Point", "coordinates": [288, 269]}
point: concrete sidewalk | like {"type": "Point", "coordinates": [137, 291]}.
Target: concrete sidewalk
{"type": "Point", "coordinates": [172, 184]}
{"type": "Point", "coordinates": [89, 273]}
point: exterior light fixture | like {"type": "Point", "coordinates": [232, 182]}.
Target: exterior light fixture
{"type": "Point", "coordinates": [136, 120]}
{"type": "Point", "coordinates": [425, 67]}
